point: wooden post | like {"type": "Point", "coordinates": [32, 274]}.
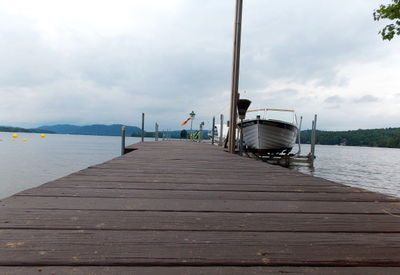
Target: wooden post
{"type": "Point", "coordinates": [200, 131]}
{"type": "Point", "coordinates": [213, 131]}
{"type": "Point", "coordinates": [221, 131]}
{"type": "Point", "coordinates": [313, 139]}
{"type": "Point", "coordinates": [142, 127]}
{"type": "Point", "coordinates": [191, 130]}
{"type": "Point", "coordinates": [156, 132]}
{"type": "Point", "coordinates": [299, 136]}
{"type": "Point", "coordinates": [241, 139]}
{"type": "Point", "coordinates": [123, 134]}
{"type": "Point", "coordinates": [235, 75]}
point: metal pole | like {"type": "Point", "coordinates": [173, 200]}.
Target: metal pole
{"type": "Point", "coordinates": [213, 131]}
{"type": "Point", "coordinates": [142, 127]}
{"type": "Point", "coordinates": [221, 135]}
{"type": "Point", "coordinates": [123, 134]}
{"type": "Point", "coordinates": [156, 133]}
{"type": "Point", "coordinates": [200, 131]}
{"type": "Point", "coordinates": [191, 127]}
{"type": "Point", "coordinates": [313, 139]}
{"type": "Point", "coordinates": [241, 139]}
{"type": "Point", "coordinates": [299, 136]}
{"type": "Point", "coordinates": [235, 75]}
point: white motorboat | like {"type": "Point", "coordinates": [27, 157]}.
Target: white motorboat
{"type": "Point", "coordinates": [269, 136]}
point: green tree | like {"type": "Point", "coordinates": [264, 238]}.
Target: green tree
{"type": "Point", "coordinates": [391, 12]}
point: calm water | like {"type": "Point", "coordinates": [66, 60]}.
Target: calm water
{"type": "Point", "coordinates": [38, 160]}
{"type": "Point", "coordinates": [375, 169]}
{"type": "Point", "coordinates": [27, 164]}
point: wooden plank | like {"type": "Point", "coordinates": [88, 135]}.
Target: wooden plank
{"type": "Point", "coordinates": [196, 205]}
{"type": "Point", "coordinates": [104, 184]}
{"type": "Point", "coordinates": [208, 195]}
{"type": "Point", "coordinates": [196, 221]}
{"type": "Point", "coordinates": [200, 205]}
{"type": "Point", "coordinates": [173, 270]}
{"type": "Point", "coordinates": [93, 180]}
{"type": "Point", "coordinates": [82, 247]}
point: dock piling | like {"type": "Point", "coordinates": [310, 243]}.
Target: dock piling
{"type": "Point", "coordinates": [313, 139]}
{"type": "Point", "coordinates": [156, 132]}
{"type": "Point", "coordinates": [142, 127]}
{"type": "Point", "coordinates": [201, 130]}
{"type": "Point", "coordinates": [299, 136]}
{"type": "Point", "coordinates": [221, 131]}
{"type": "Point", "coordinates": [213, 131]}
{"type": "Point", "coordinates": [123, 134]}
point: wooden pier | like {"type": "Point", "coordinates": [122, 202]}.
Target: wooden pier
{"type": "Point", "coordinates": [187, 208]}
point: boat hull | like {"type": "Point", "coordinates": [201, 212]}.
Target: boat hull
{"type": "Point", "coordinates": [269, 136]}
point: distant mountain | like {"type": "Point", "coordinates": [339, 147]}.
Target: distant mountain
{"type": "Point", "coordinates": [23, 130]}
{"type": "Point", "coordinates": [96, 129]}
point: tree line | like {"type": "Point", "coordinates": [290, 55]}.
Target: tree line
{"type": "Point", "coordinates": [23, 130]}
{"type": "Point", "coordinates": [388, 137]}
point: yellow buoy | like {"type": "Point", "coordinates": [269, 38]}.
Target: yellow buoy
{"type": "Point", "coordinates": [14, 135]}
{"type": "Point", "coordinates": [42, 135]}
{"type": "Point", "coordinates": [24, 139]}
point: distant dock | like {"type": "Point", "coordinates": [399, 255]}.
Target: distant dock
{"type": "Point", "coordinates": [177, 207]}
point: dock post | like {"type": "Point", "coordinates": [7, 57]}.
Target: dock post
{"type": "Point", "coordinates": [299, 136]}
{"type": "Point", "coordinates": [221, 131]}
{"type": "Point", "coordinates": [241, 139]}
{"type": "Point", "coordinates": [201, 131]}
{"type": "Point", "coordinates": [142, 127]}
{"type": "Point", "coordinates": [313, 139]}
{"type": "Point", "coordinates": [156, 132]}
{"type": "Point", "coordinates": [123, 133]}
{"type": "Point", "coordinates": [213, 131]}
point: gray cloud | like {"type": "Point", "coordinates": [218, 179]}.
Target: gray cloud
{"type": "Point", "coordinates": [180, 59]}
{"type": "Point", "coordinates": [301, 49]}
{"type": "Point", "coordinates": [366, 99]}
{"type": "Point", "coordinates": [335, 99]}
{"type": "Point", "coordinates": [284, 92]}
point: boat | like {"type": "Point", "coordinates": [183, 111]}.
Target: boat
{"type": "Point", "coordinates": [266, 136]}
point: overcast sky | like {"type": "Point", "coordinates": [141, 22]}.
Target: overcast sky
{"type": "Point", "coordinates": [87, 62]}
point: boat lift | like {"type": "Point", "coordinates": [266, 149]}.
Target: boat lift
{"type": "Point", "coordinates": [291, 159]}
{"type": "Point", "coordinates": [280, 159]}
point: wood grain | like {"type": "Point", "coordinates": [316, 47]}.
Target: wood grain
{"type": "Point", "coordinates": [187, 208]}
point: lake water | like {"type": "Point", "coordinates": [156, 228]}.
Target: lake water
{"type": "Point", "coordinates": [26, 164]}
{"type": "Point", "coordinates": [375, 169]}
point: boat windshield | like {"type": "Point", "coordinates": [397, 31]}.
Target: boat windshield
{"type": "Point", "coordinates": [276, 114]}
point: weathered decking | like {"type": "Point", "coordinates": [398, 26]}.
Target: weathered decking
{"type": "Point", "coordinates": [186, 208]}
